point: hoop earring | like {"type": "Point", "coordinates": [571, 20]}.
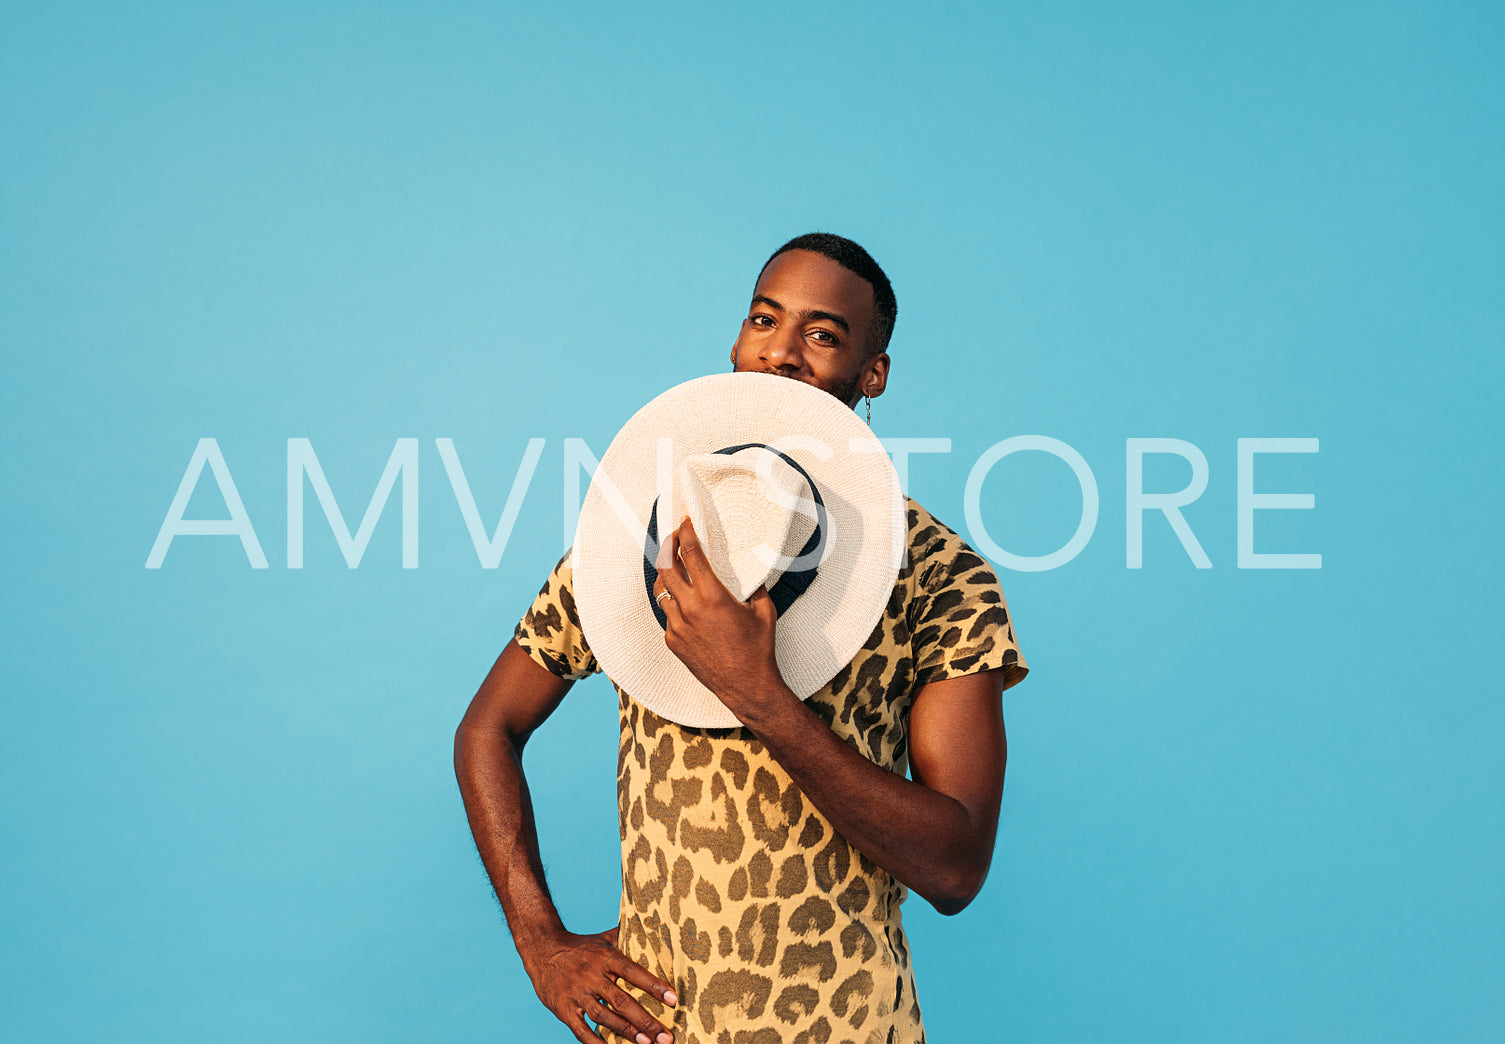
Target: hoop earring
{"type": "Point", "coordinates": [869, 401]}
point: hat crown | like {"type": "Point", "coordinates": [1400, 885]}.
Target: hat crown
{"type": "Point", "coordinates": [753, 511]}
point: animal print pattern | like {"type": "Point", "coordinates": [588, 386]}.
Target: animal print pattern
{"type": "Point", "coordinates": [735, 889]}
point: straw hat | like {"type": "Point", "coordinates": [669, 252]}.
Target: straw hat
{"type": "Point", "coordinates": [786, 488]}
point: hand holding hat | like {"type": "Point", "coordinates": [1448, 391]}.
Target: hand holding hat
{"type": "Point", "coordinates": [787, 491]}
{"type": "Point", "coordinates": [727, 644]}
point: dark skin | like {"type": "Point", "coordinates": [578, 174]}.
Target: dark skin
{"type": "Point", "coordinates": [810, 320]}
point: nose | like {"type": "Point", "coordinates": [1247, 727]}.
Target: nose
{"type": "Point", "coordinates": [783, 350]}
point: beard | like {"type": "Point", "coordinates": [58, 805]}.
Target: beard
{"type": "Point", "coordinates": [846, 391]}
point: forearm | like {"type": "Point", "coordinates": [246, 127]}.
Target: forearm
{"type": "Point", "coordinates": [575, 976]}
{"type": "Point", "coordinates": [929, 841]}
{"type": "Point", "coordinates": [937, 844]}
{"type": "Point", "coordinates": [488, 767]}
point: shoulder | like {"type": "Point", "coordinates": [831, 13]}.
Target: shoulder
{"type": "Point", "coordinates": [550, 631]}
{"type": "Point", "coordinates": [958, 615]}
{"type": "Point", "coordinates": [554, 607]}
{"type": "Point", "coordinates": [939, 556]}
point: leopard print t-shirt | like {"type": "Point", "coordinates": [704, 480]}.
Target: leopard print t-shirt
{"type": "Point", "coordinates": [735, 889]}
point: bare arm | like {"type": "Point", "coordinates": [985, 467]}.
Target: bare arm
{"type": "Point", "coordinates": [935, 834]}
{"type": "Point", "coordinates": [571, 973]}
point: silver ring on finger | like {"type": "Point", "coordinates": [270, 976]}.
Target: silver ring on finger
{"type": "Point", "coordinates": [666, 594]}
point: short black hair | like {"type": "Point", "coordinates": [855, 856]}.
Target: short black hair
{"type": "Point", "coordinates": [859, 262]}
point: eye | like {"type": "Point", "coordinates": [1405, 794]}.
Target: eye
{"type": "Point", "coordinates": [823, 336]}
{"type": "Point", "coordinates": [760, 320]}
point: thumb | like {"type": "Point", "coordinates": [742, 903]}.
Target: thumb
{"type": "Point", "coordinates": [762, 604]}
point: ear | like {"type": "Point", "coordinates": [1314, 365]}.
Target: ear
{"type": "Point", "coordinates": [734, 355]}
{"type": "Point", "coordinates": [874, 376]}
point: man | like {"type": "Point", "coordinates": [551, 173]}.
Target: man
{"type": "Point", "coordinates": [792, 931]}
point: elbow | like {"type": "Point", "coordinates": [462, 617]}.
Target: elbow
{"type": "Point", "coordinates": [480, 742]}
{"type": "Point", "coordinates": [463, 737]}
{"type": "Point", "coordinates": [471, 746]}
{"type": "Point", "coordinates": [950, 904]}
{"type": "Point", "coordinates": [466, 733]}
{"type": "Point", "coordinates": [957, 888]}
{"type": "Point", "coordinates": [951, 907]}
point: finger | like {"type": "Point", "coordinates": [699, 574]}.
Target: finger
{"type": "Point", "coordinates": [687, 547]}
{"type": "Point", "coordinates": [669, 606]}
{"type": "Point", "coordinates": [762, 605]}
{"type": "Point", "coordinates": [702, 577]}
{"type": "Point", "coordinates": [665, 553]}
{"type": "Point", "coordinates": [668, 560]}
{"type": "Point", "coordinates": [642, 1026]}
{"type": "Point", "coordinates": [605, 1016]}
{"type": "Point", "coordinates": [646, 981]}
{"type": "Point", "coordinates": [581, 1028]}
{"type": "Point", "coordinates": [669, 579]}
{"type": "Point", "coordinates": [668, 554]}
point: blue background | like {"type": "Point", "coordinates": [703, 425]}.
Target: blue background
{"type": "Point", "coordinates": [1242, 805]}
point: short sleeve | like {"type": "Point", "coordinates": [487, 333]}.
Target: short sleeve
{"type": "Point", "coordinates": [550, 631]}
{"type": "Point", "coordinates": [961, 623]}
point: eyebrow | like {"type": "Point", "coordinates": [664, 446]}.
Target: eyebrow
{"type": "Point", "coordinates": [815, 314]}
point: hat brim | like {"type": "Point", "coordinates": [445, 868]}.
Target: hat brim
{"type": "Point", "coordinates": [827, 625]}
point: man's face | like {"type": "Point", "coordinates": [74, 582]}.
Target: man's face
{"type": "Point", "coordinates": [811, 320]}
